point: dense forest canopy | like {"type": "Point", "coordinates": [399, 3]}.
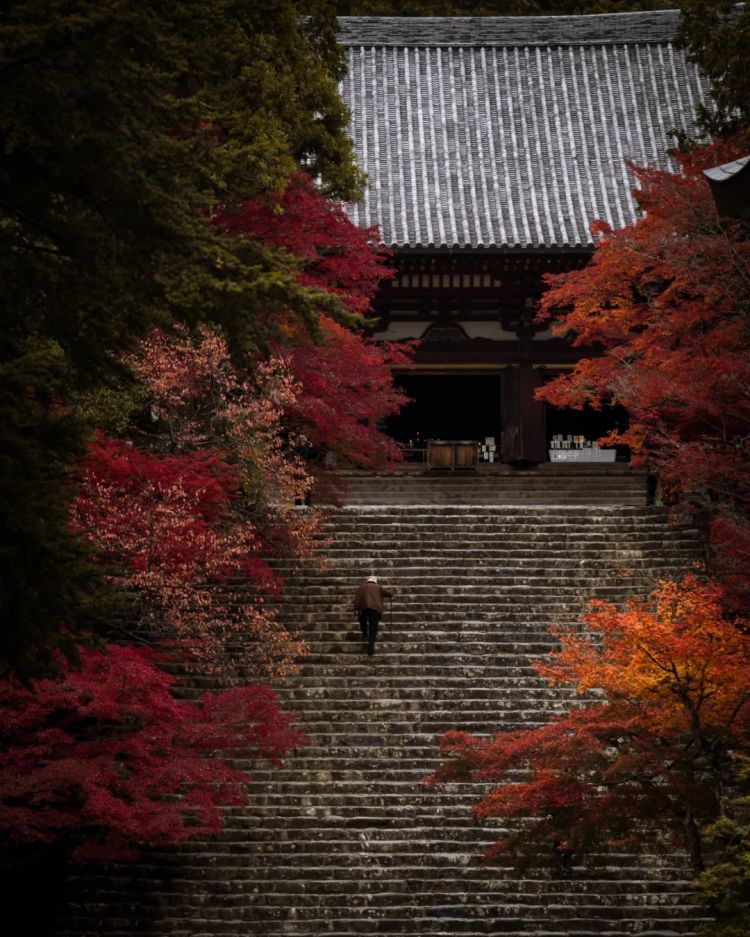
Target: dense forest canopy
{"type": "Point", "coordinates": [127, 123]}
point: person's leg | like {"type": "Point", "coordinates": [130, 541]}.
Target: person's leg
{"type": "Point", "coordinates": [372, 630]}
{"type": "Point", "coordinates": [363, 623]}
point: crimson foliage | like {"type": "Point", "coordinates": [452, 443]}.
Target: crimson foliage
{"type": "Point", "coordinates": [107, 758]}
{"type": "Point", "coordinates": [335, 255]}
{"type": "Point", "coordinates": [345, 379]}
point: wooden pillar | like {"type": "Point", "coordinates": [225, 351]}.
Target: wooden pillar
{"type": "Point", "coordinates": [533, 435]}
{"type": "Point", "coordinates": [511, 417]}
{"type": "Point", "coordinates": [524, 424]}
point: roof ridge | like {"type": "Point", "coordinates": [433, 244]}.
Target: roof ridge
{"type": "Point", "coordinates": [631, 14]}
{"type": "Point", "coordinates": [645, 26]}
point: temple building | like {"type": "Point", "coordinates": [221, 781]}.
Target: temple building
{"type": "Point", "coordinates": [730, 187]}
{"type": "Point", "coordinates": [490, 146]}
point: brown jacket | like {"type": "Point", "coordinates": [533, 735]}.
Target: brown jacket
{"type": "Point", "coordinates": [370, 595]}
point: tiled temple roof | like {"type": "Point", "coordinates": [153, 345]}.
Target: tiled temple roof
{"type": "Point", "coordinates": [510, 132]}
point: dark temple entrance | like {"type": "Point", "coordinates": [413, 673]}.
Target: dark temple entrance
{"type": "Point", "coordinates": [447, 406]}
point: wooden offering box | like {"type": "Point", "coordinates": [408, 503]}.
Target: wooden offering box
{"type": "Point", "coordinates": [450, 454]}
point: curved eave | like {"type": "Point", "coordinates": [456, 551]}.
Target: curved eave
{"type": "Point", "coordinates": [491, 248]}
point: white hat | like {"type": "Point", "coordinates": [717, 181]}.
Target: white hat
{"type": "Point", "coordinates": [372, 578]}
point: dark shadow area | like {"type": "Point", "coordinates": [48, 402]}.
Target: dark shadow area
{"type": "Point", "coordinates": [41, 888]}
{"type": "Point", "coordinates": [447, 406]}
{"type": "Point", "coordinates": [32, 890]}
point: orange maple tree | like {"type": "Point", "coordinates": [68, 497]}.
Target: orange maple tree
{"type": "Point", "coordinates": [663, 305]}
{"type": "Point", "coordinates": [641, 758]}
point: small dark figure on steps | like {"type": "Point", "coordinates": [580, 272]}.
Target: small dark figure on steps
{"type": "Point", "coordinates": [368, 605]}
{"type": "Point", "coordinates": [563, 855]}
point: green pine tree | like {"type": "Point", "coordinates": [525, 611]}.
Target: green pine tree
{"type": "Point", "coordinates": [123, 123]}
{"type": "Point", "coordinates": [717, 36]}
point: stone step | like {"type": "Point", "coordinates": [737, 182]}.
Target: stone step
{"type": "Point", "coordinates": [564, 474]}
{"type": "Point", "coordinates": [575, 517]}
{"type": "Point", "coordinates": [414, 664]}
{"type": "Point", "coordinates": [454, 537]}
{"type": "Point", "coordinates": [421, 715]}
{"type": "Point", "coordinates": [452, 541]}
{"type": "Point", "coordinates": [436, 484]}
{"type": "Point", "coordinates": [548, 510]}
{"type": "Point", "coordinates": [445, 651]}
{"type": "Point", "coordinates": [411, 491]}
{"type": "Point", "coordinates": [478, 568]}
{"type": "Point", "coordinates": [517, 518]}
{"type": "Point", "coordinates": [517, 528]}
{"type": "Point", "coordinates": [445, 548]}
{"type": "Point", "coordinates": [616, 572]}
{"type": "Point", "coordinates": [501, 499]}
{"type": "Point", "coordinates": [319, 694]}
{"type": "Point", "coordinates": [503, 609]}
{"type": "Point", "coordinates": [495, 585]}
{"type": "Point", "coordinates": [599, 881]}
{"type": "Point", "coordinates": [619, 486]}
{"type": "Point", "coordinates": [544, 547]}
{"type": "Point", "coordinates": [500, 580]}
{"type": "Point", "coordinates": [500, 610]}
{"type": "Point", "coordinates": [509, 517]}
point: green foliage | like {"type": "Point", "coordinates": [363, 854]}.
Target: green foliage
{"type": "Point", "coordinates": [127, 123]}
{"type": "Point", "coordinates": [726, 881]}
{"type": "Point", "coordinates": [112, 408]}
{"type": "Point", "coordinates": [717, 36]}
{"type": "Point", "coordinates": [46, 576]}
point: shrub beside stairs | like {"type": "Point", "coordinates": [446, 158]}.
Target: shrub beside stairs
{"type": "Point", "coordinates": [345, 839]}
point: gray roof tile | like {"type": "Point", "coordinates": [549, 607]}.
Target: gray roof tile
{"type": "Point", "coordinates": [510, 132]}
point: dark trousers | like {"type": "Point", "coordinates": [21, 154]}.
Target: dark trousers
{"type": "Point", "coordinates": [565, 858]}
{"type": "Point", "coordinates": [369, 620]}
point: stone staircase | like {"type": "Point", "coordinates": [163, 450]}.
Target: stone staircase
{"type": "Point", "coordinates": [345, 839]}
{"type": "Point", "coordinates": [557, 484]}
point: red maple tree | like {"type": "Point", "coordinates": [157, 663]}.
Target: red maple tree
{"type": "Point", "coordinates": [346, 384]}
{"type": "Point", "coordinates": [201, 400]}
{"type": "Point", "coordinates": [109, 760]}
{"type": "Point", "coordinates": [187, 514]}
{"type": "Point", "coordinates": [664, 303]}
{"type": "Point", "coordinates": [194, 512]}
{"type": "Point", "coordinates": [334, 255]}
{"type": "Point", "coordinates": [185, 517]}
{"type": "Point", "coordinates": [642, 761]}
{"type": "Point", "coordinates": [346, 392]}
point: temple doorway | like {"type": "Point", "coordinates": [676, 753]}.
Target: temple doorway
{"type": "Point", "coordinates": [447, 405]}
